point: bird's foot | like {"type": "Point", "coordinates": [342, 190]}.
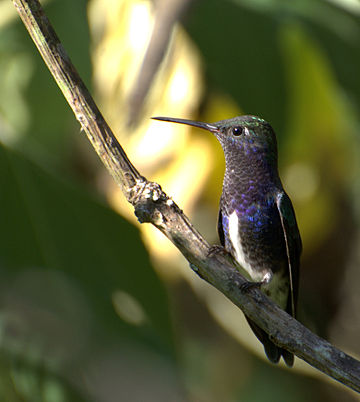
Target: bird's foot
{"type": "Point", "coordinates": [250, 285]}
{"type": "Point", "coordinates": [217, 249]}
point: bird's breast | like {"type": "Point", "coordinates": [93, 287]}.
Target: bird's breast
{"type": "Point", "coordinates": [253, 235]}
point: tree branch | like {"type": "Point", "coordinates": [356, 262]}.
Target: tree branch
{"type": "Point", "coordinates": [152, 205]}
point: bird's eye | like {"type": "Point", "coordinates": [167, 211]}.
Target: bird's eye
{"type": "Point", "coordinates": [237, 131]}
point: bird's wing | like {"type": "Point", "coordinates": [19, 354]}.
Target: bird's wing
{"type": "Point", "coordinates": [221, 229]}
{"type": "Point", "coordinates": [293, 246]}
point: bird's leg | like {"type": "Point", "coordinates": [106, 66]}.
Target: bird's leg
{"type": "Point", "coordinates": [217, 249]}
{"type": "Point", "coordinates": [252, 284]}
{"type": "Point", "coordinates": [246, 286]}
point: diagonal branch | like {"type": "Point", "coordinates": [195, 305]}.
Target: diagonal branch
{"type": "Point", "coordinates": [152, 205]}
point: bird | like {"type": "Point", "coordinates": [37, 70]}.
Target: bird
{"type": "Point", "coordinates": [256, 222]}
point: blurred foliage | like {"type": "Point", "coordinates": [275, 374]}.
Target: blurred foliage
{"type": "Point", "coordinates": [66, 264]}
{"type": "Point", "coordinates": [93, 309]}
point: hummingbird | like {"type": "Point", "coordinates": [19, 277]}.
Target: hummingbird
{"type": "Point", "coordinates": [256, 222]}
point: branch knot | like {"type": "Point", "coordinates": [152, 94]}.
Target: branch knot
{"type": "Point", "coordinates": [147, 197]}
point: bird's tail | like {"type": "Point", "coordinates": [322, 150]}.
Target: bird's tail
{"type": "Point", "coordinates": [272, 351]}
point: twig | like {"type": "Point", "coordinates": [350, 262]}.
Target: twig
{"type": "Point", "coordinates": [152, 205]}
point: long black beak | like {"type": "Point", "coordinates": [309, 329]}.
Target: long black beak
{"type": "Point", "coordinates": [199, 124]}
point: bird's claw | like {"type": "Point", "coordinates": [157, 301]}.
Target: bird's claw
{"type": "Point", "coordinates": [246, 286]}
{"type": "Point", "coordinates": [216, 249]}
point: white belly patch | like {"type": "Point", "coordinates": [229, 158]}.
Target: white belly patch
{"type": "Point", "coordinates": [239, 252]}
{"type": "Point", "coordinates": [236, 243]}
